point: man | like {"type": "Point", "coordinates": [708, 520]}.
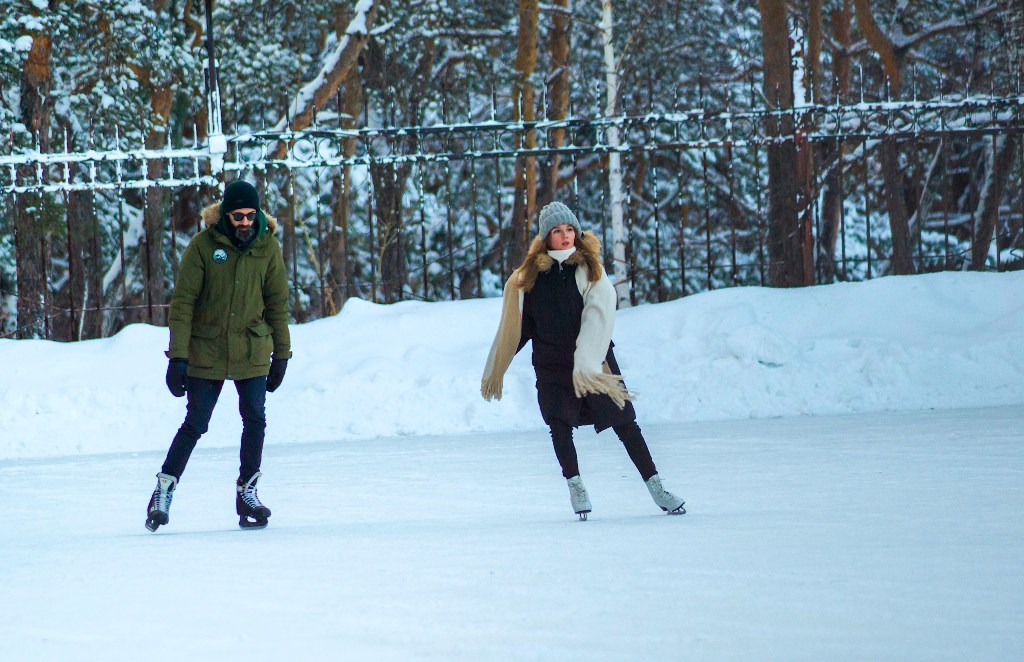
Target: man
{"type": "Point", "coordinates": [228, 321]}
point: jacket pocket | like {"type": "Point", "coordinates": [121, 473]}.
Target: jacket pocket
{"type": "Point", "coordinates": [261, 343]}
{"type": "Point", "coordinates": [202, 348]}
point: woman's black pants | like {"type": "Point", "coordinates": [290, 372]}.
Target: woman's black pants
{"type": "Point", "coordinates": [628, 433]}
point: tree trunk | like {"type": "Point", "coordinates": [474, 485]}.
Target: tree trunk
{"type": "Point", "coordinates": [523, 108]}
{"type": "Point", "coordinates": [84, 289]}
{"type": "Point", "coordinates": [29, 237]}
{"type": "Point", "coordinates": [287, 219]}
{"type": "Point", "coordinates": [805, 200]}
{"type": "Point", "coordinates": [812, 59]}
{"type": "Point", "coordinates": [832, 154]}
{"type": "Point", "coordinates": [558, 96]}
{"type": "Point", "coordinates": [887, 52]}
{"type": "Point", "coordinates": [338, 270]}
{"type": "Point", "coordinates": [637, 186]}
{"type": "Point", "coordinates": [805, 149]}
{"type": "Point", "coordinates": [389, 184]}
{"type": "Point", "coordinates": [31, 265]}
{"type": "Point", "coordinates": [620, 268]}
{"type": "Point", "coordinates": [1000, 166]}
{"type": "Point", "coordinates": [902, 248]}
{"type": "Point", "coordinates": [154, 218]}
{"type": "Point", "coordinates": [892, 64]}
{"type": "Point", "coordinates": [1011, 16]}
{"type": "Point", "coordinates": [785, 238]}
{"type": "Point", "coordinates": [388, 187]}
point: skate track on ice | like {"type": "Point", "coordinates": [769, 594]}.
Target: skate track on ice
{"type": "Point", "coordinates": [853, 537]}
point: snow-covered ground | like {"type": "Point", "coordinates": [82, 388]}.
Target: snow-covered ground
{"type": "Point", "coordinates": [413, 520]}
{"type": "Point", "coordinates": [941, 340]}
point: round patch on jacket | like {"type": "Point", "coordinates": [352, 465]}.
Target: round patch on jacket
{"type": "Point", "coordinates": [220, 256]}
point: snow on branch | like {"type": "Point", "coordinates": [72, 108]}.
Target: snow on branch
{"type": "Point", "coordinates": [906, 42]}
{"type": "Point", "coordinates": [466, 33]}
{"type": "Point", "coordinates": [903, 42]}
{"type": "Point", "coordinates": [334, 69]}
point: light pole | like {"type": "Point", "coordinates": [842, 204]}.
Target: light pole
{"type": "Point", "coordinates": [215, 139]}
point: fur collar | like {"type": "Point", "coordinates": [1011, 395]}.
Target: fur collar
{"type": "Point", "coordinates": [211, 214]}
{"type": "Point", "coordinates": [588, 254]}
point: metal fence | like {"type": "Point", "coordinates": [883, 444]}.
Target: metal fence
{"type": "Point", "coordinates": [695, 197]}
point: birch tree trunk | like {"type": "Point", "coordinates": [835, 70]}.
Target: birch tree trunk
{"type": "Point", "coordinates": [619, 271]}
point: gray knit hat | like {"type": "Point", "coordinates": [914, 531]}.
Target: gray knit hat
{"type": "Point", "coordinates": [555, 213]}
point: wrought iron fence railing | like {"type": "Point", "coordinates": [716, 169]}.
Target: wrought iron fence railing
{"type": "Point", "coordinates": [695, 197]}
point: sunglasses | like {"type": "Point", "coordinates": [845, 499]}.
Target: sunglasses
{"type": "Point", "coordinates": [238, 216]}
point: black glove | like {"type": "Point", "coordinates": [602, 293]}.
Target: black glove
{"type": "Point", "coordinates": [177, 377]}
{"type": "Point", "coordinates": [276, 376]}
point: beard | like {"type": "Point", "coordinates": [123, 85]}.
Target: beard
{"type": "Point", "coordinates": [245, 234]}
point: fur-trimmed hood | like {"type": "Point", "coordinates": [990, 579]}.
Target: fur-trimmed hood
{"type": "Point", "coordinates": [588, 253]}
{"type": "Point", "coordinates": [211, 216]}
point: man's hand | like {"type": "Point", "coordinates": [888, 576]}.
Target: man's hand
{"type": "Point", "coordinates": [177, 377]}
{"type": "Point", "coordinates": [276, 376]}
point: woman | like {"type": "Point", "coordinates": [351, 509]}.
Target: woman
{"type": "Point", "coordinates": [562, 301]}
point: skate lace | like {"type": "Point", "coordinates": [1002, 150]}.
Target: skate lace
{"type": "Point", "coordinates": [250, 497]}
{"type": "Point", "coordinates": [162, 499]}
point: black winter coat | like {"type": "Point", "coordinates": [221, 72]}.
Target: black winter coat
{"type": "Point", "coordinates": [552, 313]}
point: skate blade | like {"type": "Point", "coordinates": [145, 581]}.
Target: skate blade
{"type": "Point", "coordinates": [583, 515]}
{"type": "Point", "coordinates": [246, 524]}
{"type": "Point", "coordinates": [154, 521]}
{"type": "Point", "coordinates": [678, 511]}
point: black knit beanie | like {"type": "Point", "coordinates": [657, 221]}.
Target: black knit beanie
{"type": "Point", "coordinates": [239, 195]}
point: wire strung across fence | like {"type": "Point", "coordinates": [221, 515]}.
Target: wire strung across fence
{"type": "Point", "coordinates": [702, 129]}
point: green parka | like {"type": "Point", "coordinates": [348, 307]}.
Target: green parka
{"type": "Point", "coordinates": [229, 309]}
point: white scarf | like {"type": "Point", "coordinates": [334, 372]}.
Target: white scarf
{"type": "Point", "coordinates": [596, 325]}
{"type": "Point", "coordinates": [563, 255]}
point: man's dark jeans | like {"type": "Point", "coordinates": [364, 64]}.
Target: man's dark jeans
{"type": "Point", "coordinates": [202, 397]}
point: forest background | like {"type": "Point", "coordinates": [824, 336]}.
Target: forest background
{"type": "Point", "coordinates": [406, 146]}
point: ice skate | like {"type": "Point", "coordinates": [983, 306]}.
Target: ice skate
{"type": "Point", "coordinates": [158, 511]}
{"type": "Point", "coordinates": [578, 496]}
{"type": "Point", "coordinates": [667, 501]}
{"type": "Point", "coordinates": [251, 513]}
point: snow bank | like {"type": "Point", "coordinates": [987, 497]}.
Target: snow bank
{"type": "Point", "coordinates": [940, 340]}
